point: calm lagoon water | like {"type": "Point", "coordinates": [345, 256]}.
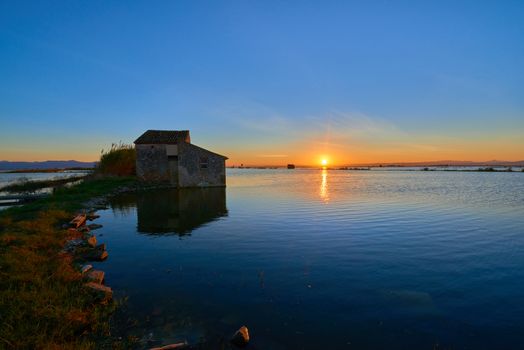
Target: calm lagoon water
{"type": "Point", "coordinates": [10, 178]}
{"type": "Point", "coordinates": [312, 259]}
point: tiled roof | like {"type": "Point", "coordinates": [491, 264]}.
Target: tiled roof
{"type": "Point", "coordinates": [163, 137]}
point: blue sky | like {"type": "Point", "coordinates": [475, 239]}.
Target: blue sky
{"type": "Point", "coordinates": [265, 82]}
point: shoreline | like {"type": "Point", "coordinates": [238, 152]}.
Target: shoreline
{"type": "Point", "coordinates": [42, 292]}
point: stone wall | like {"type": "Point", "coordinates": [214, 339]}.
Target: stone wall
{"type": "Point", "coordinates": [151, 163]}
{"type": "Point", "coordinates": [191, 170]}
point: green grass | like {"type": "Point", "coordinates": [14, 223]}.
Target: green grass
{"type": "Point", "coordinates": [43, 304]}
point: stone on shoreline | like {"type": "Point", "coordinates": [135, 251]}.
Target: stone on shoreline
{"type": "Point", "coordinates": [92, 216]}
{"type": "Point", "coordinates": [83, 229]}
{"type": "Point", "coordinates": [86, 268]}
{"type": "Point", "coordinates": [97, 253]}
{"type": "Point", "coordinates": [78, 220]}
{"type": "Point", "coordinates": [72, 245]}
{"type": "Point", "coordinates": [96, 276]}
{"type": "Point", "coordinates": [91, 241]}
{"type": "Point", "coordinates": [74, 233]}
{"type": "Point", "coordinates": [101, 291]}
{"type": "Point", "coordinates": [241, 337]}
{"type": "Point", "coordinates": [94, 226]}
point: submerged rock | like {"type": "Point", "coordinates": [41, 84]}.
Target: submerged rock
{"type": "Point", "coordinates": [92, 216]}
{"type": "Point", "coordinates": [94, 226]}
{"type": "Point", "coordinates": [241, 337]}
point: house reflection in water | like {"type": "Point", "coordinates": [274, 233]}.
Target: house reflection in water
{"type": "Point", "coordinates": [176, 211]}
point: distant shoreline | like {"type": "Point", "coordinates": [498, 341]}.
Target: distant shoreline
{"type": "Point", "coordinates": [29, 171]}
{"type": "Point", "coordinates": [499, 169]}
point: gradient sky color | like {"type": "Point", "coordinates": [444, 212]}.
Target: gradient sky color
{"type": "Point", "coordinates": [265, 82]}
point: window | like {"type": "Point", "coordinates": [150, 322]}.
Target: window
{"type": "Point", "coordinates": [203, 162]}
{"type": "Point", "coordinates": [172, 157]}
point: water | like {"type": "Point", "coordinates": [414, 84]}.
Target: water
{"type": "Point", "coordinates": [312, 259]}
{"type": "Point", "coordinates": [10, 178]}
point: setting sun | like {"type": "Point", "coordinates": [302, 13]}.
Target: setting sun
{"type": "Point", "coordinates": [324, 162]}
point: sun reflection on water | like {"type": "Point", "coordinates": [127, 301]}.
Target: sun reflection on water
{"type": "Point", "coordinates": [324, 190]}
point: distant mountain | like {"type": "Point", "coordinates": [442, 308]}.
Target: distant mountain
{"type": "Point", "coordinates": [494, 163]}
{"type": "Point", "coordinates": [48, 164]}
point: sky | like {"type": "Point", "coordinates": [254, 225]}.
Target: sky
{"type": "Point", "coordinates": [265, 82]}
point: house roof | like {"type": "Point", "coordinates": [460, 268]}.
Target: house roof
{"type": "Point", "coordinates": [208, 151]}
{"type": "Point", "coordinates": [163, 137]}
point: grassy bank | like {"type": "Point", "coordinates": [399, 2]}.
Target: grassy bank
{"type": "Point", "coordinates": [43, 304]}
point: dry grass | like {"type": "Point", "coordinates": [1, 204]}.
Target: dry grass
{"type": "Point", "coordinates": [43, 304]}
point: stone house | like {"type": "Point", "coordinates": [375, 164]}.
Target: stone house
{"type": "Point", "coordinates": [169, 157]}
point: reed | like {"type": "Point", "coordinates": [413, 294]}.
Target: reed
{"type": "Point", "coordinates": [119, 160]}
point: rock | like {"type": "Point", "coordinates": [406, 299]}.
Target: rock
{"type": "Point", "coordinates": [86, 268]}
{"type": "Point", "coordinates": [241, 337]}
{"type": "Point", "coordinates": [96, 276]}
{"type": "Point", "coordinates": [78, 220]}
{"type": "Point", "coordinates": [172, 346]}
{"type": "Point", "coordinates": [101, 246]}
{"type": "Point", "coordinates": [83, 229]}
{"type": "Point", "coordinates": [101, 291]}
{"type": "Point", "coordinates": [74, 233]}
{"type": "Point", "coordinates": [92, 216]}
{"type": "Point", "coordinates": [91, 241]}
{"type": "Point", "coordinates": [72, 245]}
{"type": "Point", "coordinates": [94, 226]}
{"type": "Point", "coordinates": [97, 253]}
{"type": "Point", "coordinates": [103, 256]}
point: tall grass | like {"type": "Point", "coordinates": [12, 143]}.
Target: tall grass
{"type": "Point", "coordinates": [119, 160]}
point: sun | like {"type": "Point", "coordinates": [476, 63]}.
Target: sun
{"type": "Point", "coordinates": [324, 162]}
